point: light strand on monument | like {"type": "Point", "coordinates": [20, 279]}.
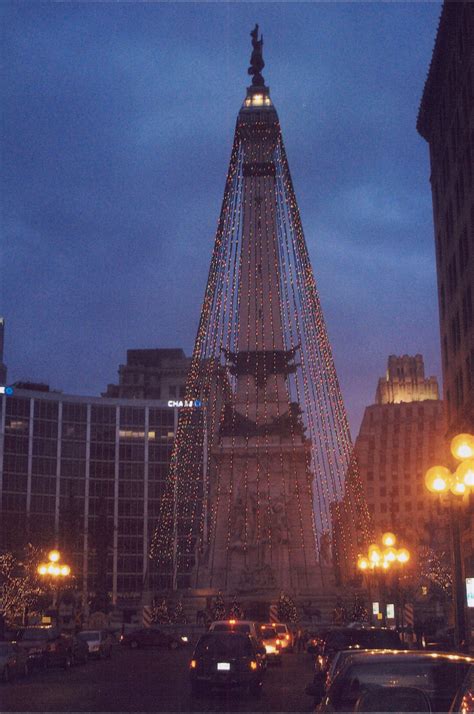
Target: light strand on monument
{"type": "Point", "coordinates": [280, 477]}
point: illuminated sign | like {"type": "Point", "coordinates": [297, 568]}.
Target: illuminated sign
{"type": "Point", "coordinates": [6, 390]}
{"type": "Point", "coordinates": [189, 403]}
{"type": "Point", "coordinates": [390, 611]}
{"type": "Point", "coordinates": [375, 608]}
{"type": "Point", "coordinates": [470, 591]}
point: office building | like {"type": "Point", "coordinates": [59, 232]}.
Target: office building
{"type": "Point", "coordinates": [151, 374]}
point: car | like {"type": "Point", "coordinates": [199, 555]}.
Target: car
{"type": "Point", "coordinates": [248, 627]}
{"type": "Point", "coordinates": [285, 635]}
{"type": "Point", "coordinates": [150, 637]}
{"type": "Point", "coordinates": [226, 659]}
{"type": "Point", "coordinates": [463, 702]}
{"type": "Point", "coordinates": [99, 643]}
{"type": "Point", "coordinates": [13, 661]}
{"type": "Point", "coordinates": [418, 680]}
{"type": "Point", "coordinates": [374, 638]}
{"type": "Point", "coordinates": [46, 646]}
{"type": "Point", "coordinates": [271, 642]}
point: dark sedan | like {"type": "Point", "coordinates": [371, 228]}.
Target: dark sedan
{"type": "Point", "coordinates": [150, 637]}
{"type": "Point", "coordinates": [226, 659]}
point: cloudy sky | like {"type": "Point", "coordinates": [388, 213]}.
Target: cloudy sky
{"type": "Point", "coordinates": [117, 128]}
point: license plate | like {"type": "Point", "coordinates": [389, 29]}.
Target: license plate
{"type": "Point", "coordinates": [223, 666]}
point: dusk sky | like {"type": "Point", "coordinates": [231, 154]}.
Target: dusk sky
{"type": "Point", "coordinates": [118, 122]}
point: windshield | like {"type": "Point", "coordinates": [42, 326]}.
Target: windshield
{"type": "Point", "coordinates": [268, 633]}
{"type": "Point", "coordinates": [227, 627]}
{"type": "Point", "coordinates": [89, 635]}
{"type": "Point", "coordinates": [38, 634]}
{"type": "Point", "coordinates": [439, 679]}
{"type": "Point", "coordinates": [365, 639]}
{"type": "Point", "coordinates": [224, 646]}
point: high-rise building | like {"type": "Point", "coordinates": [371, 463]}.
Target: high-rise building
{"type": "Point", "coordinates": [86, 474]}
{"type": "Point", "coordinates": [446, 121]}
{"type": "Point", "coordinates": [401, 436]}
{"type": "Point", "coordinates": [151, 374]}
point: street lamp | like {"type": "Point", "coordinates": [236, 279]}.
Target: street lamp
{"type": "Point", "coordinates": [440, 480]}
{"type": "Point", "coordinates": [380, 560]}
{"type": "Point", "coordinates": [55, 571]}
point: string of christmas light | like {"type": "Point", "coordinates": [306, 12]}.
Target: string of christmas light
{"type": "Point", "coordinates": [280, 474]}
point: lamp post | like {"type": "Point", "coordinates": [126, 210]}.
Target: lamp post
{"type": "Point", "coordinates": [380, 560]}
{"type": "Point", "coordinates": [55, 572]}
{"type": "Point", "coordinates": [440, 480]}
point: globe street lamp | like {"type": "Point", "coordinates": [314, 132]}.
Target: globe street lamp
{"type": "Point", "coordinates": [453, 486]}
{"type": "Point", "coordinates": [54, 571]}
{"type": "Point", "coordinates": [379, 560]}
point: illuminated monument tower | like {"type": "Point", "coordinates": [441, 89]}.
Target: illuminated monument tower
{"type": "Point", "coordinates": [259, 473]}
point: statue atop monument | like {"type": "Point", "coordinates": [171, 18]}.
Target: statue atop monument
{"type": "Point", "coordinates": [256, 60]}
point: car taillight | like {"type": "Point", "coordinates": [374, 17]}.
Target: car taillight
{"type": "Point", "coordinates": [253, 665]}
{"type": "Point", "coordinates": [193, 664]}
{"type": "Point", "coordinates": [287, 637]}
{"type": "Point", "coordinates": [278, 643]}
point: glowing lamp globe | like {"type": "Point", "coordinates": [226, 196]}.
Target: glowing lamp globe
{"type": "Point", "coordinates": [363, 563]}
{"type": "Point", "coordinates": [385, 564]}
{"type": "Point", "coordinates": [54, 556]}
{"type": "Point", "coordinates": [403, 555]}
{"type": "Point", "coordinates": [458, 487]}
{"type": "Point", "coordinates": [465, 473]}
{"type": "Point", "coordinates": [390, 555]}
{"type": "Point", "coordinates": [42, 569]}
{"type": "Point", "coordinates": [462, 446]}
{"type": "Point", "coordinates": [389, 539]}
{"type": "Point", "coordinates": [375, 555]}
{"type": "Point", "coordinates": [438, 479]}
{"type": "Point", "coordinates": [65, 570]}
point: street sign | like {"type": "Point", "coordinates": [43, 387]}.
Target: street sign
{"type": "Point", "coordinates": [470, 591]}
{"type": "Point", "coordinates": [390, 611]}
{"type": "Point", "coordinates": [375, 608]}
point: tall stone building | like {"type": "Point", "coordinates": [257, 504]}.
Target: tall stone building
{"type": "Point", "coordinates": [151, 374]}
{"type": "Point", "coordinates": [446, 121]}
{"type": "Point", "coordinates": [401, 436]}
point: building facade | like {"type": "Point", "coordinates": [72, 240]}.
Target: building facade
{"type": "Point", "coordinates": [151, 374]}
{"type": "Point", "coordinates": [446, 121]}
{"type": "Point", "coordinates": [401, 436]}
{"type": "Point", "coordinates": [87, 475]}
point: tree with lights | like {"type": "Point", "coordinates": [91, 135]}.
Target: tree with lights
{"type": "Point", "coordinates": [218, 607]}
{"type": "Point", "coordinates": [160, 613]}
{"type": "Point", "coordinates": [286, 608]}
{"type": "Point", "coordinates": [21, 590]}
{"type": "Point", "coordinates": [359, 612]}
{"type": "Point", "coordinates": [179, 616]}
{"type": "Point", "coordinates": [236, 611]}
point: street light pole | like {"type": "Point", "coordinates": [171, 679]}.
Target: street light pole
{"type": "Point", "coordinates": [461, 634]}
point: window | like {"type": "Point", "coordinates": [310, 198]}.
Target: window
{"type": "Point", "coordinates": [172, 391]}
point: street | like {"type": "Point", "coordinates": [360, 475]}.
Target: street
{"type": "Point", "coordinates": [152, 680]}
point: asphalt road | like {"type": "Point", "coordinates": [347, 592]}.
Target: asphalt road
{"type": "Point", "coordinates": [152, 680]}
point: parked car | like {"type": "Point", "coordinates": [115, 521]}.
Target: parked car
{"type": "Point", "coordinates": [150, 637]}
{"type": "Point", "coordinates": [463, 702]}
{"type": "Point", "coordinates": [13, 661]}
{"type": "Point", "coordinates": [248, 627]}
{"type": "Point", "coordinates": [377, 638]}
{"type": "Point", "coordinates": [47, 647]}
{"type": "Point", "coordinates": [417, 681]}
{"type": "Point", "coordinates": [98, 642]}
{"type": "Point", "coordinates": [442, 639]}
{"type": "Point", "coordinates": [226, 659]}
{"type": "Point", "coordinates": [285, 635]}
{"type": "Point", "coordinates": [271, 642]}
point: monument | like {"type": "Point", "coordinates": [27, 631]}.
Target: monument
{"type": "Point", "coordinates": [258, 479]}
